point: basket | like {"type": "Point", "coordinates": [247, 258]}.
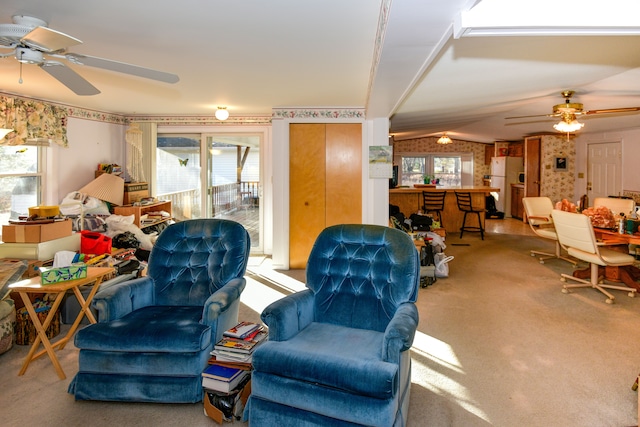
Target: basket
{"type": "Point", "coordinates": [25, 331]}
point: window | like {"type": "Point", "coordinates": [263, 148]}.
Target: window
{"type": "Point", "coordinates": [21, 174]}
{"type": "Point", "coordinates": [449, 170]}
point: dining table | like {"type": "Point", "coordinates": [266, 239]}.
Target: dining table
{"type": "Point", "coordinates": [628, 274]}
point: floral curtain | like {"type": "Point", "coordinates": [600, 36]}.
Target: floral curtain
{"type": "Point", "coordinates": [32, 121]}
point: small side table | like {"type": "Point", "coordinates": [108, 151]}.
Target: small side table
{"type": "Point", "coordinates": [25, 287]}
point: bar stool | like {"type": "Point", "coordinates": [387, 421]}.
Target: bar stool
{"type": "Point", "coordinates": [433, 201]}
{"type": "Point", "coordinates": [463, 198]}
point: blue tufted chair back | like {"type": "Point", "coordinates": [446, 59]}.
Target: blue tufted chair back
{"type": "Point", "coordinates": [194, 258]}
{"type": "Point", "coordinates": [360, 274]}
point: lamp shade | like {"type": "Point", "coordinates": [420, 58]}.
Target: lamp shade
{"type": "Point", "coordinates": [444, 140]}
{"type": "Point", "coordinates": [106, 187]}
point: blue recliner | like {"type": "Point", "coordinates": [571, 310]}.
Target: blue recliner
{"type": "Point", "coordinates": [154, 334]}
{"type": "Point", "coordinates": [338, 351]}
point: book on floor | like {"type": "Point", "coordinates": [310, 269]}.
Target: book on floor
{"type": "Point", "coordinates": [231, 356]}
{"type": "Point", "coordinates": [223, 373]}
{"type": "Point", "coordinates": [241, 345]}
{"type": "Point", "coordinates": [224, 385]}
{"type": "Point", "coordinates": [242, 330]}
{"type": "Point", "coordinates": [230, 364]}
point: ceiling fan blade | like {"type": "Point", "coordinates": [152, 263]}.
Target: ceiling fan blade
{"type": "Point", "coordinates": [69, 78]}
{"type": "Point", "coordinates": [535, 115]}
{"type": "Point", "coordinates": [48, 40]}
{"type": "Point", "coordinates": [121, 67]}
{"type": "Point", "coordinates": [613, 110]}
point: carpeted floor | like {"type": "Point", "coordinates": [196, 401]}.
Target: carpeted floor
{"type": "Point", "coordinates": [498, 345]}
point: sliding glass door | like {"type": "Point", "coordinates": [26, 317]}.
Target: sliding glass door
{"type": "Point", "coordinates": [233, 181]}
{"type": "Point", "coordinates": [215, 175]}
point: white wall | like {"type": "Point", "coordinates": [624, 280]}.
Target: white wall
{"type": "Point", "coordinates": [90, 143]}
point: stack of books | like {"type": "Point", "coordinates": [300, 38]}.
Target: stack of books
{"type": "Point", "coordinates": [223, 379]}
{"type": "Point", "coordinates": [238, 344]}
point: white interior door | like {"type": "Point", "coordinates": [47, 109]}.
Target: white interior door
{"type": "Point", "coordinates": [604, 168]}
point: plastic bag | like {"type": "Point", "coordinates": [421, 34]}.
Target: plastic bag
{"type": "Point", "coordinates": [442, 264]}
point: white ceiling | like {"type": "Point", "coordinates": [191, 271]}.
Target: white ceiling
{"type": "Point", "coordinates": [256, 55]}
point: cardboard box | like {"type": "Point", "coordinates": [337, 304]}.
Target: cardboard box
{"type": "Point", "coordinates": [51, 275]}
{"type": "Point", "coordinates": [216, 414]}
{"type": "Point", "coordinates": [135, 191]}
{"type": "Point", "coordinates": [36, 233]}
{"type": "Point", "coordinates": [41, 251]}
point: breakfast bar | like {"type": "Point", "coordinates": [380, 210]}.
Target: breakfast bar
{"type": "Point", "coordinates": [409, 200]}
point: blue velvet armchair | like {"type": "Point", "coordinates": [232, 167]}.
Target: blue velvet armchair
{"type": "Point", "coordinates": [154, 334]}
{"type": "Point", "coordinates": [338, 351]}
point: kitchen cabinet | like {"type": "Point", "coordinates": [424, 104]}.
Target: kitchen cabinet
{"type": "Point", "coordinates": [489, 152]}
{"type": "Point", "coordinates": [325, 182]}
{"type": "Point", "coordinates": [517, 208]}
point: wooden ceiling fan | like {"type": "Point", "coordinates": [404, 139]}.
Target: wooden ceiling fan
{"type": "Point", "coordinates": [569, 111]}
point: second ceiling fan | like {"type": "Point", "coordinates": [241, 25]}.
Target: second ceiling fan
{"type": "Point", "coordinates": [570, 111]}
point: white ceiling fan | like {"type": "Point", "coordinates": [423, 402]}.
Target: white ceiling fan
{"type": "Point", "coordinates": [32, 42]}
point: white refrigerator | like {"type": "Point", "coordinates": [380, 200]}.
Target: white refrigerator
{"type": "Point", "coordinates": [504, 172]}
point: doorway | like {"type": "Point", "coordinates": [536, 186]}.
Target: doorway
{"type": "Point", "coordinates": [213, 175]}
{"type": "Point", "coordinates": [604, 169]}
{"type": "Point", "coordinates": [233, 181]}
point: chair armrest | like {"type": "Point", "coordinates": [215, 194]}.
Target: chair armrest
{"type": "Point", "coordinates": [222, 299]}
{"type": "Point", "coordinates": [289, 315]}
{"type": "Point", "coordinates": [400, 331]}
{"type": "Point", "coordinates": [121, 299]}
{"type": "Point", "coordinates": [541, 218]}
{"type": "Point", "coordinates": [220, 310]}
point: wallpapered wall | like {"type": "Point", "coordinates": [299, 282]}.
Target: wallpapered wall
{"type": "Point", "coordinates": [557, 185]}
{"type": "Point", "coordinates": [429, 145]}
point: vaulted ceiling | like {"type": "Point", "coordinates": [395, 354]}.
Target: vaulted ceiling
{"type": "Point", "coordinates": [403, 59]}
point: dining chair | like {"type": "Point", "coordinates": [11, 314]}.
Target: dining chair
{"type": "Point", "coordinates": [575, 234]}
{"type": "Point", "coordinates": [433, 201]}
{"type": "Point", "coordinates": [538, 213]}
{"type": "Point", "coordinates": [616, 205]}
{"type": "Point", "coordinates": [463, 198]}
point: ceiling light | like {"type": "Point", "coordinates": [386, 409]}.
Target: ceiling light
{"type": "Point", "coordinates": [222, 113]}
{"type": "Point", "coordinates": [444, 139]}
{"type": "Point", "coordinates": [568, 126]}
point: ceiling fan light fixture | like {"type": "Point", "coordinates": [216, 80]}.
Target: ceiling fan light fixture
{"type": "Point", "coordinates": [222, 113]}
{"type": "Point", "coordinates": [444, 139]}
{"type": "Point", "coordinates": [568, 126]}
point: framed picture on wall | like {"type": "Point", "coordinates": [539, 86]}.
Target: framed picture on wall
{"type": "Point", "coordinates": [560, 164]}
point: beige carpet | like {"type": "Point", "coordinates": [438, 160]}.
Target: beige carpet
{"type": "Point", "coordinates": [498, 345]}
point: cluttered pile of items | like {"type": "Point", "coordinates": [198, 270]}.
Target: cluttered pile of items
{"type": "Point", "coordinates": [429, 241]}
{"type": "Point", "coordinates": [59, 242]}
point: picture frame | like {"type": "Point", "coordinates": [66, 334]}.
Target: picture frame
{"type": "Point", "coordinates": [560, 164]}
